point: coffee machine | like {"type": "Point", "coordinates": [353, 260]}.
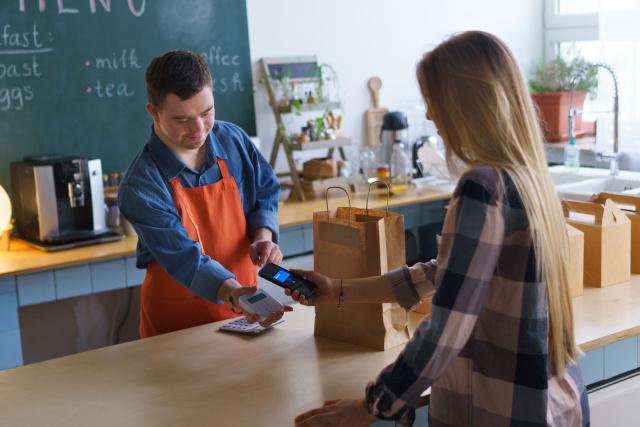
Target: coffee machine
{"type": "Point", "coordinates": [394, 128]}
{"type": "Point", "coordinates": [59, 201]}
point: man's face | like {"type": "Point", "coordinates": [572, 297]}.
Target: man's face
{"type": "Point", "coordinates": [184, 124]}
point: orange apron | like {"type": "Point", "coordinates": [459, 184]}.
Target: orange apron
{"type": "Point", "coordinates": [212, 215]}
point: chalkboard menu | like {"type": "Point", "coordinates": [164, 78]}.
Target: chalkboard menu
{"type": "Point", "coordinates": [72, 72]}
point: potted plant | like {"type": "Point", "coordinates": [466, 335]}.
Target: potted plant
{"type": "Point", "coordinates": [550, 85]}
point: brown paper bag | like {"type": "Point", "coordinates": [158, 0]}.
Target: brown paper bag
{"type": "Point", "coordinates": [630, 206]}
{"type": "Point", "coordinates": [360, 243]}
{"type": "Point", "coordinates": [607, 241]}
{"type": "Point", "coordinates": [576, 261]}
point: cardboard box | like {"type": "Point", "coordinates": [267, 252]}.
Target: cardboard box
{"type": "Point", "coordinates": [320, 168]}
{"type": "Point", "coordinates": [607, 241]}
{"type": "Point", "coordinates": [576, 261]}
{"type": "Point", "coordinates": [630, 206]}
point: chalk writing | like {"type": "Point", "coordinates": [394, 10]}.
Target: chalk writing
{"type": "Point", "coordinates": [29, 68]}
{"type": "Point", "coordinates": [110, 90]}
{"type": "Point", "coordinates": [136, 7]}
{"type": "Point", "coordinates": [216, 57]}
{"type": "Point", "coordinates": [125, 59]}
{"type": "Point", "coordinates": [20, 39]}
{"type": "Point", "coordinates": [15, 97]}
{"type": "Point", "coordinates": [14, 45]}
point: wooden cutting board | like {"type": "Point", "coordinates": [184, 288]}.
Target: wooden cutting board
{"type": "Point", "coordinates": [373, 116]}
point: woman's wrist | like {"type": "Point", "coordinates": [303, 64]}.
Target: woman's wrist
{"type": "Point", "coordinates": [337, 291]}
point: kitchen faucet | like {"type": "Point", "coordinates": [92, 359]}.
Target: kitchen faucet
{"type": "Point", "coordinates": [572, 111]}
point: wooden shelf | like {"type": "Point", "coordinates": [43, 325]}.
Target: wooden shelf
{"type": "Point", "coordinates": [318, 106]}
{"type": "Point", "coordinates": [321, 144]}
{"type": "Point", "coordinates": [300, 69]}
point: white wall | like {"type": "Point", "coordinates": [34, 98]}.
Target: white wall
{"type": "Point", "coordinates": [363, 38]}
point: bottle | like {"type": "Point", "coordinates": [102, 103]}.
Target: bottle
{"type": "Point", "coordinates": [368, 163]}
{"type": "Point", "coordinates": [400, 168]}
{"type": "Point", "coordinates": [572, 156]}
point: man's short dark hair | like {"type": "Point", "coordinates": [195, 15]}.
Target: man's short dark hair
{"type": "Point", "coordinates": [181, 72]}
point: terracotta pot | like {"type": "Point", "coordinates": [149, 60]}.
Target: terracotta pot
{"type": "Point", "coordinates": [553, 110]}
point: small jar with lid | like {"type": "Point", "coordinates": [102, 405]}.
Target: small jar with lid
{"type": "Point", "coordinates": [383, 171]}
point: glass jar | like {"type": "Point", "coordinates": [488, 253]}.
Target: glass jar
{"type": "Point", "coordinates": [368, 162]}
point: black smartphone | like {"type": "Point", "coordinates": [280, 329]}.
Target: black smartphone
{"type": "Point", "coordinates": [286, 279]}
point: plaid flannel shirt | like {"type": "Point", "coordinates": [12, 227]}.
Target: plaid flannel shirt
{"type": "Point", "coordinates": [484, 350]}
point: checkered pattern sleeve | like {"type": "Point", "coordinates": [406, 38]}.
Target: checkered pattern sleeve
{"type": "Point", "coordinates": [410, 285]}
{"type": "Point", "coordinates": [472, 238]}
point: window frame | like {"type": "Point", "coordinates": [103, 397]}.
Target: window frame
{"type": "Point", "coordinates": [561, 28]}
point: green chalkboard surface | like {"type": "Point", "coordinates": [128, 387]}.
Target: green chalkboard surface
{"type": "Point", "coordinates": [72, 72]}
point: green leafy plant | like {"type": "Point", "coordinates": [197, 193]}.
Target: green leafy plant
{"type": "Point", "coordinates": [296, 105]}
{"type": "Point", "coordinates": [556, 76]}
{"type": "Point", "coordinates": [320, 127]}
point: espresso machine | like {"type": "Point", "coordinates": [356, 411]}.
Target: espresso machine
{"type": "Point", "coordinates": [59, 202]}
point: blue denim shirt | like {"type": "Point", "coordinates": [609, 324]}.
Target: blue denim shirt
{"type": "Point", "coordinates": [145, 199]}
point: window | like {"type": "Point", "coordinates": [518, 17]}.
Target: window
{"type": "Point", "coordinates": [602, 31]}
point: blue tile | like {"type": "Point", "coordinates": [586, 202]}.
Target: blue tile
{"type": "Point", "coordinates": [592, 366]}
{"type": "Point", "coordinates": [7, 284]}
{"type": "Point", "coordinates": [396, 209]}
{"type": "Point", "coordinates": [620, 357]}
{"type": "Point", "coordinates": [73, 281]}
{"type": "Point", "coordinates": [9, 312]}
{"type": "Point", "coordinates": [307, 236]}
{"type": "Point", "coordinates": [291, 241]}
{"type": "Point", "coordinates": [108, 275]}
{"type": "Point", "coordinates": [422, 416]}
{"type": "Point", "coordinates": [412, 216]}
{"type": "Point", "coordinates": [432, 213]}
{"type": "Point", "coordinates": [36, 288]}
{"type": "Point", "coordinates": [135, 276]}
{"type": "Point", "coordinates": [10, 349]}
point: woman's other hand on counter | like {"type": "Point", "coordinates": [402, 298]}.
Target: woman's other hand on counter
{"type": "Point", "coordinates": [341, 413]}
{"type": "Point", "coordinates": [327, 293]}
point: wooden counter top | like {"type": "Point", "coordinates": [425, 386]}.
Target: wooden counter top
{"type": "Point", "coordinates": [606, 315]}
{"type": "Point", "coordinates": [202, 376]}
{"type": "Point", "coordinates": [193, 377]}
{"type": "Point", "coordinates": [22, 259]}
{"type": "Point", "coordinates": [297, 213]}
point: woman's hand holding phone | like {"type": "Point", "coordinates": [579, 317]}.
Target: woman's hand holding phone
{"type": "Point", "coordinates": [327, 292]}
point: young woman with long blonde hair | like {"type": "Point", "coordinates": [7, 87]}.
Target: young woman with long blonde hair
{"type": "Point", "coordinates": [499, 348]}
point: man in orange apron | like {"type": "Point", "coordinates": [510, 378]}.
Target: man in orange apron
{"type": "Point", "coordinates": [203, 201]}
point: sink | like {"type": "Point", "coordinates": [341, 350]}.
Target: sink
{"type": "Point", "coordinates": [567, 178]}
{"type": "Point", "coordinates": [586, 188]}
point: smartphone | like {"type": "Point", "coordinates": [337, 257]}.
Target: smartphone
{"type": "Point", "coordinates": [286, 279]}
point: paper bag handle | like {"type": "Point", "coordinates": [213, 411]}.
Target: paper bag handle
{"type": "Point", "coordinates": [618, 198]}
{"type": "Point", "coordinates": [607, 214]}
{"type": "Point", "coordinates": [326, 198]}
{"type": "Point", "coordinates": [369, 193]}
{"type": "Point", "coordinates": [583, 207]}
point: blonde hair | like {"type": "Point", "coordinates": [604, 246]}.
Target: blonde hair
{"type": "Point", "coordinates": [477, 97]}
